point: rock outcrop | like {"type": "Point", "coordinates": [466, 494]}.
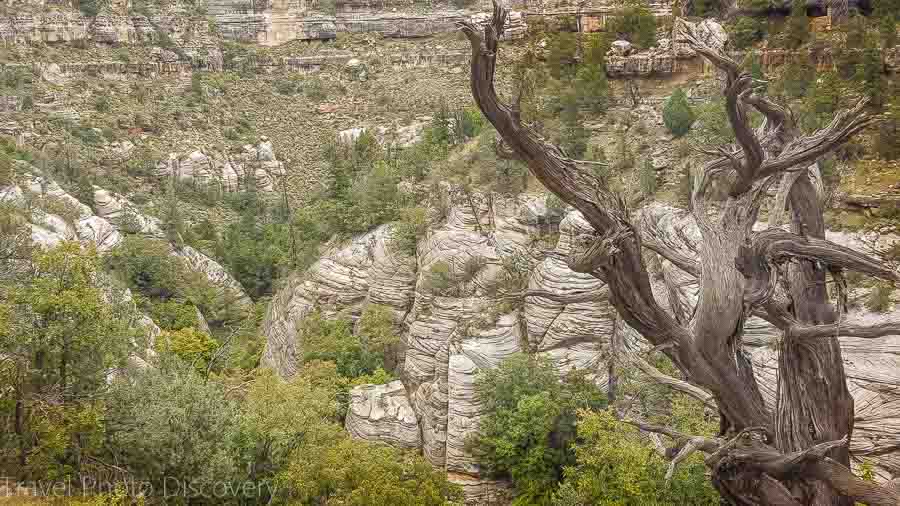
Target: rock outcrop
{"type": "Point", "coordinates": [382, 413]}
{"type": "Point", "coordinates": [454, 330]}
{"type": "Point", "coordinates": [255, 165]}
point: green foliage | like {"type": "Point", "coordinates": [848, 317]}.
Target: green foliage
{"type": "Point", "coordinates": [562, 49]}
{"type": "Point", "coordinates": [798, 31]}
{"type": "Point", "coordinates": [334, 341]}
{"type": "Point", "coordinates": [870, 76]}
{"type": "Point", "coordinates": [257, 248]}
{"type": "Point", "coordinates": [63, 321]}
{"type": "Point", "coordinates": [412, 225]}
{"type": "Point", "coordinates": [189, 345]}
{"type": "Point", "coordinates": [60, 337]}
{"type": "Point", "coordinates": [174, 315]}
{"type": "Point", "coordinates": [615, 467]}
{"type": "Point", "coordinates": [7, 170]}
{"type": "Point", "coordinates": [746, 31]}
{"type": "Point", "coordinates": [573, 135]}
{"type": "Point", "coordinates": [635, 23]}
{"type": "Point", "coordinates": [887, 30]}
{"type": "Point", "coordinates": [796, 77]}
{"type": "Point", "coordinates": [879, 300]}
{"type": "Point", "coordinates": [91, 8]}
{"type": "Point", "coordinates": [165, 423]}
{"type": "Point", "coordinates": [887, 140]}
{"type": "Point", "coordinates": [439, 278]}
{"type": "Point", "coordinates": [647, 178]}
{"type": "Point", "coordinates": [356, 473]}
{"type": "Point", "coordinates": [678, 115]}
{"type": "Point", "coordinates": [823, 100]}
{"type": "Point", "coordinates": [591, 86]}
{"type": "Point", "coordinates": [530, 423]}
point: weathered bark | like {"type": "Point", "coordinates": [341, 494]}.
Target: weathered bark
{"type": "Point", "coordinates": [799, 455]}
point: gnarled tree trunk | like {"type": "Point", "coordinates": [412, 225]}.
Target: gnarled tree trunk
{"type": "Point", "coordinates": [798, 454]}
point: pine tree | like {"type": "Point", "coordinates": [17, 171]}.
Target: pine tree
{"type": "Point", "coordinates": [798, 25]}
{"type": "Point", "coordinates": [648, 178]}
{"type": "Point", "coordinates": [677, 113]}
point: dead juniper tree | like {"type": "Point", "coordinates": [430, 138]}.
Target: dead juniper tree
{"type": "Point", "coordinates": [797, 452]}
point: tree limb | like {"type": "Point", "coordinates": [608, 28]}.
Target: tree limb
{"type": "Point", "coordinates": [844, 329]}
{"type": "Point", "coordinates": [682, 386]}
{"type": "Point", "coordinates": [766, 249]}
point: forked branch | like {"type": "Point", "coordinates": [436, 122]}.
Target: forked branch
{"type": "Point", "coordinates": [759, 259]}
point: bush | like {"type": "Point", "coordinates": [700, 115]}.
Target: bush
{"type": "Point", "coordinates": [439, 279]}
{"type": "Point", "coordinates": [879, 300]}
{"type": "Point", "coordinates": [333, 341]}
{"type": "Point", "coordinates": [412, 225]}
{"type": "Point", "coordinates": [648, 178]}
{"type": "Point", "coordinates": [166, 423]}
{"type": "Point", "coordinates": [529, 423]}
{"type": "Point", "coordinates": [191, 346]}
{"type": "Point", "coordinates": [635, 23]}
{"type": "Point", "coordinates": [678, 115]}
{"type": "Point", "coordinates": [746, 31]}
{"type": "Point", "coordinates": [798, 31]}
{"type": "Point", "coordinates": [615, 467]}
{"type": "Point", "coordinates": [358, 473]}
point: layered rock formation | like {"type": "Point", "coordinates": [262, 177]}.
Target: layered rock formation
{"type": "Point", "coordinates": [454, 331]}
{"type": "Point", "coordinates": [255, 165]}
{"type": "Point", "coordinates": [54, 216]}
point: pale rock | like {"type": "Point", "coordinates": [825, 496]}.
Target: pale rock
{"type": "Point", "coordinates": [229, 289]}
{"type": "Point", "coordinates": [382, 413]}
{"type": "Point", "coordinates": [621, 47]}
{"type": "Point", "coordinates": [98, 231]}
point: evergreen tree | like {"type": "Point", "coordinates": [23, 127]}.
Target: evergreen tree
{"type": "Point", "coordinates": [797, 25]}
{"type": "Point", "coordinates": [591, 84]}
{"type": "Point", "coordinates": [677, 113]}
{"type": "Point", "coordinates": [635, 23]}
{"type": "Point", "coordinates": [869, 75]}
{"type": "Point", "coordinates": [648, 178]}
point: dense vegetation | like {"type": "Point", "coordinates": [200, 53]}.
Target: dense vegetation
{"type": "Point", "coordinates": [78, 402]}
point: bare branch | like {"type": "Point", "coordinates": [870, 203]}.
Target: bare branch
{"type": "Point", "coordinates": [686, 451]}
{"type": "Point", "coordinates": [845, 329]}
{"type": "Point", "coordinates": [704, 444]}
{"type": "Point", "coordinates": [757, 260]}
{"type": "Point", "coordinates": [683, 262]}
{"type": "Point", "coordinates": [682, 386]}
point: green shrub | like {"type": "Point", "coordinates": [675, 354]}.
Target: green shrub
{"type": "Point", "coordinates": [191, 346]}
{"type": "Point", "coordinates": [166, 423]}
{"type": "Point", "coordinates": [635, 23]}
{"type": "Point", "coordinates": [678, 115]}
{"type": "Point", "coordinates": [7, 170]}
{"type": "Point", "coordinates": [746, 31]}
{"type": "Point", "coordinates": [529, 423]}
{"type": "Point", "coordinates": [798, 31]}
{"type": "Point", "coordinates": [647, 178]}
{"type": "Point", "coordinates": [614, 466]}
{"type": "Point", "coordinates": [413, 224]}
{"type": "Point", "coordinates": [174, 315]}
{"type": "Point", "coordinates": [879, 300]}
{"type": "Point", "coordinates": [333, 341]}
{"type": "Point", "coordinates": [439, 278]}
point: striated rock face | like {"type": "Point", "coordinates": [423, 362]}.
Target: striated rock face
{"type": "Point", "coordinates": [230, 290]}
{"type": "Point", "coordinates": [116, 216]}
{"type": "Point", "coordinates": [452, 332]}
{"type": "Point", "coordinates": [344, 279]}
{"type": "Point", "coordinates": [382, 413]}
{"type": "Point", "coordinates": [256, 166]}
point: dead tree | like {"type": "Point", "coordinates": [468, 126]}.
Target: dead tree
{"type": "Point", "coordinates": [797, 452]}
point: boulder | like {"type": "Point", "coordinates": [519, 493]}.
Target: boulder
{"type": "Point", "coordinates": [382, 413]}
{"type": "Point", "coordinates": [621, 48]}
